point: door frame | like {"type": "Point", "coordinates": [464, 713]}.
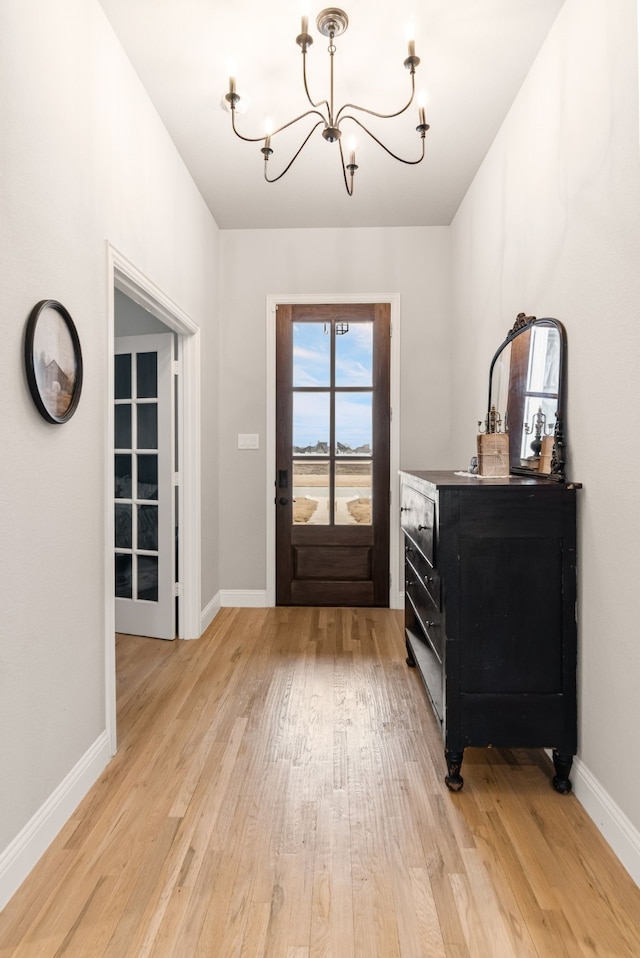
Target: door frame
{"type": "Point", "coordinates": [305, 299]}
{"type": "Point", "coordinates": [121, 273]}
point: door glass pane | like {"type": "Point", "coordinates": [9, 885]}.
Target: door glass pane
{"type": "Point", "coordinates": [353, 493]}
{"type": "Point", "coordinates": [354, 356]}
{"type": "Point", "coordinates": [311, 493]}
{"type": "Point", "coordinates": [148, 578]}
{"type": "Point", "coordinates": [123, 475]}
{"type": "Point", "coordinates": [123, 576]}
{"type": "Point", "coordinates": [311, 423]}
{"type": "Point", "coordinates": [147, 375]}
{"type": "Point", "coordinates": [353, 423]}
{"type": "Point", "coordinates": [123, 526]}
{"type": "Point", "coordinates": [148, 528]}
{"type": "Point", "coordinates": [122, 426]}
{"type": "Point", "coordinates": [122, 370]}
{"type": "Point", "coordinates": [147, 426]}
{"type": "Point", "coordinates": [311, 354]}
{"type": "Point", "coordinates": [147, 477]}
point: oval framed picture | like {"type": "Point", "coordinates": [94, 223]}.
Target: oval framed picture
{"type": "Point", "coordinates": [53, 361]}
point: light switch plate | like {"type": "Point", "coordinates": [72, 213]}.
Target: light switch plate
{"type": "Point", "coordinates": [248, 440]}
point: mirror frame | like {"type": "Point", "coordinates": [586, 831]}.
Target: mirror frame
{"type": "Point", "coordinates": [523, 324]}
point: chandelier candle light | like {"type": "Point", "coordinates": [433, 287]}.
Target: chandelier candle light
{"type": "Point", "coordinates": [331, 23]}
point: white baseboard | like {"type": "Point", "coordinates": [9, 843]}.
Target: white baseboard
{"type": "Point", "coordinates": [209, 612]}
{"type": "Point", "coordinates": [616, 828]}
{"type": "Point", "coordinates": [244, 598]}
{"type": "Point", "coordinates": [232, 598]}
{"type": "Point", "coordinates": [17, 860]}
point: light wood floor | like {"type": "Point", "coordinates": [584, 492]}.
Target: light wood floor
{"type": "Point", "coordinates": [278, 793]}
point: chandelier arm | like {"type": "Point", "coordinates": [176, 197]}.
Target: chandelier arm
{"type": "Point", "coordinates": [259, 139]}
{"type": "Point", "coordinates": [306, 87]}
{"type": "Point", "coordinates": [295, 120]}
{"type": "Point", "coordinates": [386, 148]}
{"type": "Point", "coordinates": [295, 155]}
{"type": "Point", "coordinates": [344, 171]}
{"type": "Point", "coordinates": [382, 116]}
{"type": "Point", "coordinates": [247, 139]}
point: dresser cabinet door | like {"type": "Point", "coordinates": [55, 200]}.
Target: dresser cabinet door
{"type": "Point", "coordinates": [418, 521]}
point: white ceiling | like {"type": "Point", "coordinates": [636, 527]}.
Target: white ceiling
{"type": "Point", "coordinates": [474, 56]}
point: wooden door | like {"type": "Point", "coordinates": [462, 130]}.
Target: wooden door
{"type": "Point", "coordinates": [144, 492]}
{"type": "Point", "coordinates": [332, 455]}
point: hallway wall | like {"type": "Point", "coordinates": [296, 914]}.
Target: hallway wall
{"type": "Point", "coordinates": [413, 262]}
{"type": "Point", "coordinates": [550, 227]}
{"type": "Point", "coordinates": [84, 159]}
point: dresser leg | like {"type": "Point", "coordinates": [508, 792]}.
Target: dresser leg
{"type": "Point", "coordinates": [562, 764]}
{"type": "Point", "coordinates": [454, 780]}
{"type": "Point", "coordinates": [411, 662]}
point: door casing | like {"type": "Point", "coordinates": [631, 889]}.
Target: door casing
{"type": "Point", "coordinates": [273, 299]}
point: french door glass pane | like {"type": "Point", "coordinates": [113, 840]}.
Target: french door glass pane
{"type": "Point", "coordinates": [148, 528]}
{"type": "Point", "coordinates": [122, 426]}
{"type": "Point", "coordinates": [353, 487]}
{"type": "Point", "coordinates": [311, 423]}
{"type": "Point", "coordinates": [123, 533]}
{"type": "Point", "coordinates": [122, 371]}
{"type": "Point", "coordinates": [147, 476]}
{"type": "Point", "coordinates": [311, 493]}
{"type": "Point", "coordinates": [124, 578]}
{"type": "Point", "coordinates": [123, 485]}
{"type": "Point", "coordinates": [147, 426]}
{"type": "Point", "coordinates": [311, 355]}
{"type": "Point", "coordinates": [147, 375]}
{"type": "Point", "coordinates": [353, 423]}
{"type": "Point", "coordinates": [148, 578]}
{"type": "Point", "coordinates": [354, 356]}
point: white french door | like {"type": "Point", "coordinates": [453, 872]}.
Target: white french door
{"type": "Point", "coordinates": [144, 505]}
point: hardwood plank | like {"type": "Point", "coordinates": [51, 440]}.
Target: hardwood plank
{"type": "Point", "coordinates": [278, 793]}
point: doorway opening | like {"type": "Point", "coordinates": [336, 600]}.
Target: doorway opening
{"type": "Point", "coordinates": [124, 278]}
{"type": "Point", "coordinates": [332, 454]}
{"type": "Point", "coordinates": [146, 464]}
{"type": "Point", "coordinates": [393, 303]}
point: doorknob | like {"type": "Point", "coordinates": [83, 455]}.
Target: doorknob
{"type": "Point", "coordinates": [282, 501]}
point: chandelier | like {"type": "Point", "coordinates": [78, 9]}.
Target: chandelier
{"type": "Point", "coordinates": [331, 23]}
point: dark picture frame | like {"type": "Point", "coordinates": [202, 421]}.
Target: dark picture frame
{"type": "Point", "coordinates": [53, 361]}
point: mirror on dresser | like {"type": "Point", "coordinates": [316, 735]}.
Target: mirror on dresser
{"type": "Point", "coordinates": [526, 396]}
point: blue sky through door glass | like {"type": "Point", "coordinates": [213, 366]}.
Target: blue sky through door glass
{"type": "Point", "coordinates": [311, 355]}
{"type": "Point", "coordinates": [311, 422]}
{"type": "Point", "coordinates": [354, 356]}
{"type": "Point", "coordinates": [353, 423]}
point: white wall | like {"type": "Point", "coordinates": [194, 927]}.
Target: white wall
{"type": "Point", "coordinates": [551, 227]}
{"type": "Point", "coordinates": [131, 319]}
{"type": "Point", "coordinates": [253, 263]}
{"type": "Point", "coordinates": [83, 159]}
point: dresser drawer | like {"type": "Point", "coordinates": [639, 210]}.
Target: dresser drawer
{"type": "Point", "coordinates": [418, 514]}
{"type": "Point", "coordinates": [426, 612]}
{"type": "Point", "coordinates": [425, 572]}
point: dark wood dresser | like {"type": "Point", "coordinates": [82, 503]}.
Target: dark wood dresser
{"type": "Point", "coordinates": [490, 611]}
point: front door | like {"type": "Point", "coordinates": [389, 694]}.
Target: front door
{"type": "Point", "coordinates": [332, 455]}
{"type": "Point", "coordinates": [144, 490]}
